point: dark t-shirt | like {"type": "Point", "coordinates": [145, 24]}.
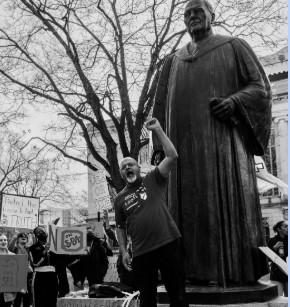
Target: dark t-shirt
{"type": "Point", "coordinates": [142, 210]}
{"type": "Point", "coordinates": [276, 273]}
{"type": "Point", "coordinates": [38, 251]}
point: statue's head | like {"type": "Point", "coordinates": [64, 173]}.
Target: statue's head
{"type": "Point", "coordinates": [198, 17]}
{"type": "Point", "coordinates": [130, 169]}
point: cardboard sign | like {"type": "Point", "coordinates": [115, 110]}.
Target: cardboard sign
{"type": "Point", "coordinates": [97, 228]}
{"type": "Point", "coordinates": [13, 273]}
{"type": "Point", "coordinates": [275, 258]}
{"type": "Point", "coordinates": [19, 211]}
{"type": "Point", "coordinates": [67, 240]}
{"type": "Point", "coordinates": [98, 192]}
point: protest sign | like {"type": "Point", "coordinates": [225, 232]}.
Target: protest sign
{"type": "Point", "coordinates": [13, 273]}
{"type": "Point", "coordinates": [98, 193]}
{"type": "Point", "coordinates": [19, 211]}
{"type": "Point", "coordinates": [67, 240]}
{"type": "Point", "coordinates": [96, 227]}
{"type": "Point", "coordinates": [275, 258]}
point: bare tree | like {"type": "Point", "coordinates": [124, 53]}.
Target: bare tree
{"type": "Point", "coordinates": [10, 112]}
{"type": "Point", "coordinates": [27, 172]}
{"type": "Point", "coordinates": [41, 178]}
{"type": "Point", "coordinates": [262, 23]}
{"type": "Point", "coordinates": [11, 161]}
{"type": "Point", "coordinates": [97, 64]}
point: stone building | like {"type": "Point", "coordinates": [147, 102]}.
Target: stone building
{"type": "Point", "coordinates": [274, 208]}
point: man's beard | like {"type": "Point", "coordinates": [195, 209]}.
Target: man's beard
{"type": "Point", "coordinates": [132, 178]}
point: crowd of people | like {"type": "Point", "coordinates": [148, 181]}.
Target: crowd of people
{"type": "Point", "coordinates": [47, 272]}
{"type": "Point", "coordinates": [196, 216]}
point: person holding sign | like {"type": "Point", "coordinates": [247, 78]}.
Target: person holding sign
{"type": "Point", "coordinates": [23, 298]}
{"type": "Point", "coordinates": [6, 299]}
{"type": "Point", "coordinates": [44, 284]}
{"type": "Point", "coordinates": [279, 244]}
{"type": "Point", "coordinates": [141, 211]}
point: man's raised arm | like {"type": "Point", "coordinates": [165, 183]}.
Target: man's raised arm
{"type": "Point", "coordinates": [169, 149]}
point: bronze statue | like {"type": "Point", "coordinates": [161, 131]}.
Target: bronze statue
{"type": "Point", "coordinates": [214, 101]}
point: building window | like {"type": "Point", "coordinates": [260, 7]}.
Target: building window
{"type": "Point", "coordinates": [144, 154]}
{"type": "Point", "coordinates": [271, 162]}
{"type": "Point", "coordinates": [270, 155]}
{"type": "Point", "coordinates": [266, 228]}
{"type": "Point", "coordinates": [285, 213]}
{"type": "Point", "coordinates": [67, 217]}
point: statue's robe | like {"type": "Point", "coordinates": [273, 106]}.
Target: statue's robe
{"type": "Point", "coordinates": [212, 192]}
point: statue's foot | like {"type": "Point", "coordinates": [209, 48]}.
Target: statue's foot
{"type": "Point", "coordinates": [202, 283]}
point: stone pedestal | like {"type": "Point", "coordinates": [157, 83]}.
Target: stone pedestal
{"type": "Point", "coordinates": [278, 302]}
{"type": "Point", "coordinates": [223, 296]}
{"type": "Point", "coordinates": [111, 302]}
{"type": "Point", "coordinates": [92, 302]}
{"type": "Point", "coordinates": [117, 302]}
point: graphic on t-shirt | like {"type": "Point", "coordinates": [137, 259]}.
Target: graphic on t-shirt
{"type": "Point", "coordinates": [133, 200]}
{"type": "Point", "coordinates": [142, 192]}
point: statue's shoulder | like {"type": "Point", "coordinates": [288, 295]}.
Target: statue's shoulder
{"type": "Point", "coordinates": [218, 39]}
{"type": "Point", "coordinates": [243, 48]}
{"type": "Point", "coordinates": [183, 52]}
{"type": "Point", "coordinates": [238, 42]}
{"type": "Point", "coordinates": [170, 56]}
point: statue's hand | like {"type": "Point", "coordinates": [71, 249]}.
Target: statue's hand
{"type": "Point", "coordinates": [222, 108]}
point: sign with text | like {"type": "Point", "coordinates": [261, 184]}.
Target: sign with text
{"type": "Point", "coordinates": [13, 273]}
{"type": "Point", "coordinates": [19, 211]}
{"type": "Point", "coordinates": [67, 240]}
{"type": "Point", "coordinates": [97, 228]}
{"type": "Point", "coordinates": [275, 258]}
{"type": "Point", "coordinates": [98, 192]}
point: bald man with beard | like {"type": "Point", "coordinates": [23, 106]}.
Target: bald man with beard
{"type": "Point", "coordinates": [141, 213]}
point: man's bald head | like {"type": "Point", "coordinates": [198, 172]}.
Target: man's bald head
{"type": "Point", "coordinates": [125, 160]}
{"type": "Point", "coordinates": [129, 169]}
